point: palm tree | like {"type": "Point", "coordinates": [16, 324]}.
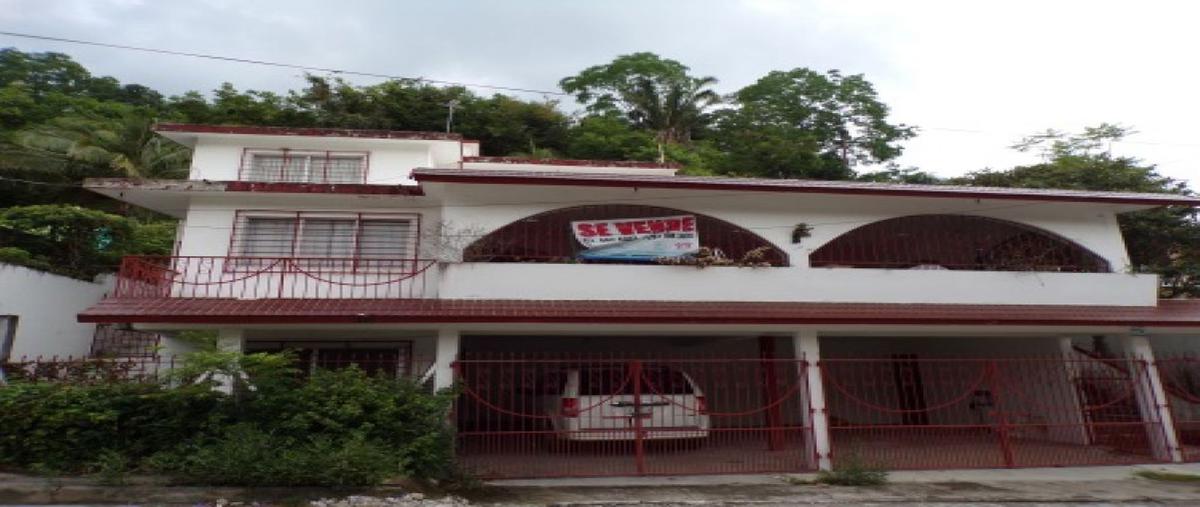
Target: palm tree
{"type": "Point", "coordinates": [125, 145]}
{"type": "Point", "coordinates": [672, 109]}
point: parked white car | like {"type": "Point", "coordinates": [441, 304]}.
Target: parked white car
{"type": "Point", "coordinates": [598, 404]}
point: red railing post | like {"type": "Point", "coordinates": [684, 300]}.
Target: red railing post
{"type": "Point", "coordinates": [1000, 418]}
{"type": "Point", "coordinates": [635, 376]}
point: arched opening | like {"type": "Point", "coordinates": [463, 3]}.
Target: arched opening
{"type": "Point", "coordinates": [959, 242]}
{"type": "Point", "coordinates": [559, 236]}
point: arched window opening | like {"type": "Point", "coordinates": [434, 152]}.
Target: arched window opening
{"type": "Point", "coordinates": [623, 234]}
{"type": "Point", "coordinates": [959, 242]}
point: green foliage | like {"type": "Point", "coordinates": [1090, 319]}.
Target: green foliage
{"type": "Point", "coordinates": [77, 241]}
{"type": "Point", "coordinates": [653, 93]}
{"type": "Point", "coordinates": [1165, 240]}
{"type": "Point", "coordinates": [245, 455]}
{"type": "Point", "coordinates": [852, 471]}
{"type": "Point", "coordinates": [1166, 476]}
{"type": "Point", "coordinates": [273, 427]}
{"type": "Point", "coordinates": [801, 123]}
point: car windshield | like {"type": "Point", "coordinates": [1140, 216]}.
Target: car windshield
{"type": "Point", "coordinates": [607, 381]}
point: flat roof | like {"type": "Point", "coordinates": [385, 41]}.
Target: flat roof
{"type": "Point", "coordinates": [195, 128]}
{"type": "Point", "coordinates": [531, 178]}
{"type": "Point", "coordinates": [1168, 313]}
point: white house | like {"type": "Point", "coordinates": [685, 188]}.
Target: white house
{"type": "Point", "coordinates": [614, 318]}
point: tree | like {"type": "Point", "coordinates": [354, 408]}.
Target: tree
{"type": "Point", "coordinates": [651, 92]}
{"type": "Point", "coordinates": [124, 144]}
{"type": "Point", "coordinates": [801, 123]}
{"type": "Point", "coordinates": [1164, 240]}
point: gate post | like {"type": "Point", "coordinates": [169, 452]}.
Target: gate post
{"type": "Point", "coordinates": [806, 345]}
{"type": "Point", "coordinates": [1151, 397]}
{"type": "Point", "coordinates": [445, 355]}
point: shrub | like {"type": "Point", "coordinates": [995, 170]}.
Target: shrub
{"type": "Point", "coordinates": [66, 427]}
{"type": "Point", "coordinates": [247, 456]}
{"type": "Point", "coordinates": [335, 428]}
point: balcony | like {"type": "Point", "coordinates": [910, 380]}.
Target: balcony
{"type": "Point", "coordinates": [151, 277]}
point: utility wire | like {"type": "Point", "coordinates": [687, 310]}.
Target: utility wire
{"type": "Point", "coordinates": [267, 63]}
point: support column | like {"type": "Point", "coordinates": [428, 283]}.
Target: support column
{"type": "Point", "coordinates": [1077, 430]}
{"type": "Point", "coordinates": [1152, 398]}
{"type": "Point", "coordinates": [446, 354]}
{"type": "Point", "coordinates": [231, 340]}
{"type": "Point", "coordinates": [806, 344]}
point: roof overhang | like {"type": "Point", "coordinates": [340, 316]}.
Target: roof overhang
{"type": "Point", "coordinates": [1128, 201]}
{"type": "Point", "coordinates": [1172, 314]}
{"type": "Point", "coordinates": [187, 133]}
{"type": "Point", "coordinates": [171, 197]}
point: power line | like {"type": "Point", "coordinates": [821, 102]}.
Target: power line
{"type": "Point", "coordinates": [268, 63]}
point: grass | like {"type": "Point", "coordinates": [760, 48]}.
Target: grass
{"type": "Point", "coordinates": [1164, 476]}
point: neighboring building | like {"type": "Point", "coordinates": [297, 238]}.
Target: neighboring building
{"type": "Point", "coordinates": [771, 325]}
{"type": "Point", "coordinates": [37, 312]}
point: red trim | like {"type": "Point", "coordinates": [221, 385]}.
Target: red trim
{"type": "Point", "coordinates": [1169, 313]}
{"type": "Point", "coordinates": [322, 188]}
{"type": "Point", "coordinates": [308, 132]}
{"type": "Point", "coordinates": [486, 177]}
{"type": "Point", "coordinates": [572, 162]}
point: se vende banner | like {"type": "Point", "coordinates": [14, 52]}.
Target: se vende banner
{"type": "Point", "coordinates": [637, 239]}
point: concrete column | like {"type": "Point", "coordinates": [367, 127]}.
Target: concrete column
{"type": "Point", "coordinates": [1152, 398]}
{"type": "Point", "coordinates": [807, 345]}
{"type": "Point", "coordinates": [447, 352]}
{"type": "Point", "coordinates": [1077, 431]}
{"type": "Point", "coordinates": [231, 340]}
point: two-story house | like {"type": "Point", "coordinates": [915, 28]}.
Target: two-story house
{"type": "Point", "coordinates": [613, 318]}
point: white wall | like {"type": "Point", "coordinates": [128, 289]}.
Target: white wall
{"type": "Point", "coordinates": [390, 161]}
{"type": "Point", "coordinates": [46, 305]}
{"type": "Point", "coordinates": [687, 283]}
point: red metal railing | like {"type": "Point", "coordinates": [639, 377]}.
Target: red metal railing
{"type": "Point", "coordinates": [109, 341]}
{"type": "Point", "coordinates": [541, 416]}
{"type": "Point", "coordinates": [88, 370]}
{"type": "Point", "coordinates": [962, 242]}
{"type": "Point", "coordinates": [272, 277]}
{"type": "Point", "coordinates": [912, 413]}
{"type": "Point", "coordinates": [1181, 380]}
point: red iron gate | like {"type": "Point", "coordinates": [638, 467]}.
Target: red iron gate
{"type": "Point", "coordinates": [905, 412]}
{"type": "Point", "coordinates": [1181, 381]}
{"type": "Point", "coordinates": [536, 416]}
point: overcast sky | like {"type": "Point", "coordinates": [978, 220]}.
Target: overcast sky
{"type": "Point", "coordinates": [975, 76]}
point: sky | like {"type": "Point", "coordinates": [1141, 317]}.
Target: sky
{"type": "Point", "coordinates": [973, 76]}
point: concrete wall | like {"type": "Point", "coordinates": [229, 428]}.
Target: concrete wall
{"type": "Point", "coordinates": [45, 305]}
{"type": "Point", "coordinates": [389, 161]}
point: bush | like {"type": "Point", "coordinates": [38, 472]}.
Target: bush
{"type": "Point", "coordinates": [247, 456]}
{"type": "Point", "coordinates": [66, 427]}
{"type": "Point", "coordinates": [335, 428]}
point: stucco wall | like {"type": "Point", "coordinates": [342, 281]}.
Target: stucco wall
{"type": "Point", "coordinates": [389, 161]}
{"type": "Point", "coordinates": [46, 305]}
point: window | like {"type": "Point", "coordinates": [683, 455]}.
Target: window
{"type": "Point", "coordinates": [378, 236]}
{"type": "Point", "coordinates": [294, 166]}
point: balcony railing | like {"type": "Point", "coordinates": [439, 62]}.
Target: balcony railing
{"type": "Point", "coordinates": [272, 278]}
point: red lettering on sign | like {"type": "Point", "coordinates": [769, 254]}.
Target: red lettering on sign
{"type": "Point", "coordinates": [602, 229]}
{"type": "Point", "coordinates": [586, 230]}
{"type": "Point", "coordinates": [674, 224]}
{"type": "Point", "coordinates": [689, 224]}
{"type": "Point", "coordinates": [624, 228]}
{"type": "Point", "coordinates": [641, 227]}
{"type": "Point", "coordinates": [658, 226]}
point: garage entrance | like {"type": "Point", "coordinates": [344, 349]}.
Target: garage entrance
{"type": "Point", "coordinates": [942, 403]}
{"type": "Point", "coordinates": [595, 414]}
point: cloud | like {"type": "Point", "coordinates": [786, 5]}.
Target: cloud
{"type": "Point", "coordinates": [997, 70]}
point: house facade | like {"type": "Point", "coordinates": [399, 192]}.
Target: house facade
{"type": "Point", "coordinates": [616, 318]}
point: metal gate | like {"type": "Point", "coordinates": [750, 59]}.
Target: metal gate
{"type": "Point", "coordinates": [905, 412]}
{"type": "Point", "coordinates": [542, 416]}
{"type": "Point", "coordinates": [1181, 381]}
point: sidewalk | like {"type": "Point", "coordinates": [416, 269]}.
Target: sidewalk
{"type": "Point", "coordinates": [1054, 486]}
